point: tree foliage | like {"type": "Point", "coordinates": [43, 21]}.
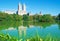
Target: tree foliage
{"type": "Point", "coordinates": [27, 17]}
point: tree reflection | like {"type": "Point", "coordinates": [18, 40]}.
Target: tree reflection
{"type": "Point", "coordinates": [22, 27]}
{"type": "Point", "coordinates": [58, 24]}
{"type": "Point", "coordinates": [41, 24]}
{"type": "Point", "coordinates": [17, 23]}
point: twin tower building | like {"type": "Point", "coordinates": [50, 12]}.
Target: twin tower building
{"type": "Point", "coordinates": [21, 9]}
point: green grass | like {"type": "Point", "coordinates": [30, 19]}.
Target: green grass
{"type": "Point", "coordinates": [35, 38]}
{"type": "Point", "coordinates": [7, 38]}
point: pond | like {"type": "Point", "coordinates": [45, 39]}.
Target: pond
{"type": "Point", "coordinates": [30, 31]}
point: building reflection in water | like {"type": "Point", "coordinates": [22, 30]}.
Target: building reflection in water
{"type": "Point", "coordinates": [22, 32]}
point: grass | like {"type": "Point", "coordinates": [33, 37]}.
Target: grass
{"type": "Point", "coordinates": [7, 38]}
{"type": "Point", "coordinates": [35, 38]}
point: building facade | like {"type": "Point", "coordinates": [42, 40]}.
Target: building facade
{"type": "Point", "coordinates": [21, 9]}
{"type": "Point", "coordinates": [9, 12]}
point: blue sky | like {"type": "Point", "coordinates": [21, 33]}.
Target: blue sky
{"type": "Point", "coordinates": [34, 6]}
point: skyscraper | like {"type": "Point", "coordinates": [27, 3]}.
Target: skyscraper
{"type": "Point", "coordinates": [24, 7]}
{"type": "Point", "coordinates": [21, 9]}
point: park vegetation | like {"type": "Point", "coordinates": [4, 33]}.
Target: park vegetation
{"type": "Point", "coordinates": [31, 18]}
{"type": "Point", "coordinates": [15, 20]}
{"type": "Point", "coordinates": [34, 38]}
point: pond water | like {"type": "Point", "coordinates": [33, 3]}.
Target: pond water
{"type": "Point", "coordinates": [24, 32]}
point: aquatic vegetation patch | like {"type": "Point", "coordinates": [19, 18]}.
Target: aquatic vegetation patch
{"type": "Point", "coordinates": [7, 38]}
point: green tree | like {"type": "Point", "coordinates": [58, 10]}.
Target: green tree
{"type": "Point", "coordinates": [58, 16]}
{"type": "Point", "coordinates": [25, 17]}
{"type": "Point", "coordinates": [46, 18]}
{"type": "Point", "coordinates": [36, 17]}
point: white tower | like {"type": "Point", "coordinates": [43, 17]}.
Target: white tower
{"type": "Point", "coordinates": [19, 6]}
{"type": "Point", "coordinates": [24, 7]}
{"type": "Point", "coordinates": [21, 9]}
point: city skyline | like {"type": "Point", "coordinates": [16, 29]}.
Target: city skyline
{"type": "Point", "coordinates": [33, 6]}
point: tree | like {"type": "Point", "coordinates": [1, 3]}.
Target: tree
{"type": "Point", "coordinates": [59, 16]}
{"type": "Point", "coordinates": [25, 17]}
{"type": "Point", "coordinates": [36, 18]}
{"type": "Point", "coordinates": [46, 18]}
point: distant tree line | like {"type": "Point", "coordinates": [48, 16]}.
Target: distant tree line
{"type": "Point", "coordinates": [41, 18]}
{"type": "Point", "coordinates": [27, 17]}
{"type": "Point", "coordinates": [10, 17]}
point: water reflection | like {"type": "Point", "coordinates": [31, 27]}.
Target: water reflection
{"type": "Point", "coordinates": [22, 32]}
{"type": "Point", "coordinates": [27, 30]}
